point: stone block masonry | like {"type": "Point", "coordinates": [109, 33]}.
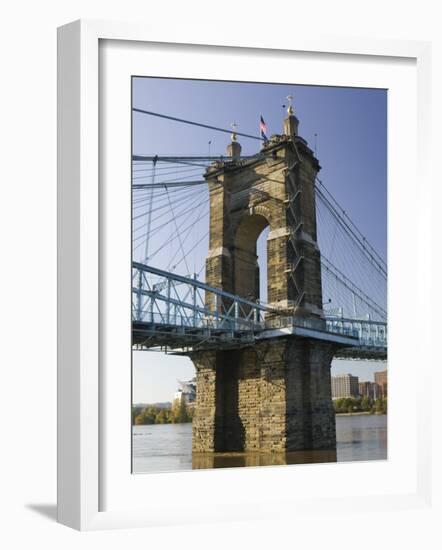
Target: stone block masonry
{"type": "Point", "coordinates": [275, 396]}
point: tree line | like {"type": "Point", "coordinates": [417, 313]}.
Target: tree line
{"type": "Point", "coordinates": [179, 413]}
{"type": "Point", "coordinates": [360, 404]}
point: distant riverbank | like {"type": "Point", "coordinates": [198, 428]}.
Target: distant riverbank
{"type": "Point", "coordinates": [181, 413]}
{"type": "Point", "coordinates": [178, 413]}
{"type": "Point", "coordinates": [360, 405]}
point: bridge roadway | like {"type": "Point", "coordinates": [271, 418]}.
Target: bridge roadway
{"type": "Point", "coordinates": [355, 339]}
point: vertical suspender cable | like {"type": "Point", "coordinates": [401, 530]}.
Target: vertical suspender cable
{"type": "Point", "coordinates": [146, 247]}
{"type": "Point", "coordinates": [149, 212]}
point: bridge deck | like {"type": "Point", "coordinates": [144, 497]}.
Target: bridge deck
{"type": "Point", "coordinates": [171, 312]}
{"type": "Point", "coordinates": [182, 339]}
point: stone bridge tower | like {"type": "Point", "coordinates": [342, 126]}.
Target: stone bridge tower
{"type": "Point", "coordinates": [276, 395]}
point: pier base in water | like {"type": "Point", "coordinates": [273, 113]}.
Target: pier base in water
{"type": "Point", "coordinates": [274, 397]}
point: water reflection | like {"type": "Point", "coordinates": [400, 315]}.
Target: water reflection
{"type": "Point", "coordinates": [235, 460]}
{"type": "Point", "coordinates": [168, 447]}
{"type": "Point", "coordinates": [361, 437]}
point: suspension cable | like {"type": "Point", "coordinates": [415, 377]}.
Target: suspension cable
{"type": "Point", "coordinates": [175, 119]}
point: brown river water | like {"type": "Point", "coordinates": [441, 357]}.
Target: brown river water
{"type": "Point", "coordinates": [168, 447]}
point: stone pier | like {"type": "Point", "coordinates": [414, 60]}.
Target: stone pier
{"type": "Point", "coordinates": [274, 396]}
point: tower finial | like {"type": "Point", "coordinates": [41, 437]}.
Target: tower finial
{"type": "Point", "coordinates": [290, 122]}
{"type": "Point", "coordinates": [234, 127]}
{"type": "Point", "coordinates": [234, 147]}
{"type": "Point", "coordinates": [290, 109]}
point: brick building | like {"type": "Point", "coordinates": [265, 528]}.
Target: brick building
{"type": "Point", "coordinates": [381, 380]}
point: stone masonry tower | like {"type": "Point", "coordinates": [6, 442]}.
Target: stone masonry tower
{"type": "Point", "coordinates": [276, 395]}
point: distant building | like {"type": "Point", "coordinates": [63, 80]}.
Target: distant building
{"type": "Point", "coordinates": [369, 389]}
{"type": "Point", "coordinates": [381, 380]}
{"type": "Point", "coordinates": [344, 385]}
{"type": "Point", "coordinates": [186, 391]}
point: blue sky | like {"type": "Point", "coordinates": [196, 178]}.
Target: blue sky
{"type": "Point", "coordinates": [351, 145]}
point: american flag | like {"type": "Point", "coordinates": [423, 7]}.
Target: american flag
{"type": "Point", "coordinates": [263, 129]}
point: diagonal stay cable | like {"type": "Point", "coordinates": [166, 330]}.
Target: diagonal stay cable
{"type": "Point", "coordinates": [345, 220]}
{"type": "Point", "coordinates": [195, 172]}
{"type": "Point", "coordinates": [187, 234]}
{"type": "Point", "coordinates": [169, 183]}
{"type": "Point", "coordinates": [192, 249]}
{"type": "Point", "coordinates": [352, 287]}
{"type": "Point", "coordinates": [175, 119]}
{"type": "Point", "coordinates": [182, 202]}
{"type": "Point", "coordinates": [178, 232]}
{"type": "Point", "coordinates": [362, 242]}
{"type": "Point", "coordinates": [161, 247]}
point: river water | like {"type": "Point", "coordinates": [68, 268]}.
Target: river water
{"type": "Point", "coordinates": [168, 447]}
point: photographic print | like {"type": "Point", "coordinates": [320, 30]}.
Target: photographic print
{"type": "Point", "coordinates": [259, 274]}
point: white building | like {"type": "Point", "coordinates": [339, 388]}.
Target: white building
{"type": "Point", "coordinates": [186, 391]}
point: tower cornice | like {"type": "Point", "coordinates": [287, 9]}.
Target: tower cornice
{"type": "Point", "coordinates": [276, 143]}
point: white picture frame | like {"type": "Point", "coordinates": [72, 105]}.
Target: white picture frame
{"type": "Point", "coordinates": [81, 445]}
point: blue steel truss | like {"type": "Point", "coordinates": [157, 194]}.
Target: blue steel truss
{"type": "Point", "coordinates": [182, 314]}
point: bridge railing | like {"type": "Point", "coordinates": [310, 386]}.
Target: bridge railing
{"type": "Point", "coordinates": [368, 333]}
{"type": "Point", "coordinates": [170, 300]}
{"type": "Point", "coordinates": [160, 297]}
